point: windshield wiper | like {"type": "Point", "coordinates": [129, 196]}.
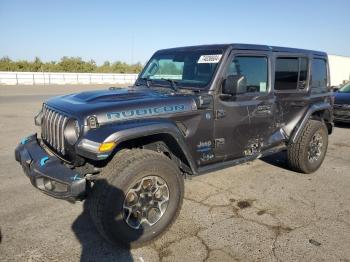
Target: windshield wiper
{"type": "Point", "coordinates": [147, 80]}
{"type": "Point", "coordinates": [172, 82]}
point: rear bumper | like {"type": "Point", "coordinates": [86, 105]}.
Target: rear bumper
{"type": "Point", "coordinates": [47, 172]}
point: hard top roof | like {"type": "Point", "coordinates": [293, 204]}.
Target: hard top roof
{"type": "Point", "coordinates": [246, 47]}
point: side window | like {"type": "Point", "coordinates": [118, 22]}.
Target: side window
{"type": "Point", "coordinates": [290, 73]}
{"type": "Point", "coordinates": [254, 70]}
{"type": "Point", "coordinates": [319, 74]}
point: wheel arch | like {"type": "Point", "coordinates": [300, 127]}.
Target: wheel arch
{"type": "Point", "coordinates": [326, 116]}
{"type": "Point", "coordinates": [165, 138]}
{"type": "Point", "coordinates": [321, 112]}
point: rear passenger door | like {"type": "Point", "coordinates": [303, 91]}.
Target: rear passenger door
{"type": "Point", "coordinates": [246, 119]}
{"type": "Point", "coordinates": [291, 88]}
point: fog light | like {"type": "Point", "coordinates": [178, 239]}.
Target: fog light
{"type": "Point", "coordinates": [108, 146]}
{"type": "Point", "coordinates": [59, 187]}
{"type": "Point", "coordinates": [46, 184]}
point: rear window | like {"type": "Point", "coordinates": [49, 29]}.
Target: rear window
{"type": "Point", "coordinates": [290, 73]}
{"type": "Point", "coordinates": [319, 74]}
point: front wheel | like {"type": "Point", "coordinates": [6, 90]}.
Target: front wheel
{"type": "Point", "coordinates": [138, 197]}
{"type": "Point", "coordinates": [308, 153]}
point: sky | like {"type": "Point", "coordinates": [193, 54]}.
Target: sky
{"type": "Point", "coordinates": [132, 31]}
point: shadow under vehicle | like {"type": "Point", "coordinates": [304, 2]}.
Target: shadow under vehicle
{"type": "Point", "coordinates": [92, 244]}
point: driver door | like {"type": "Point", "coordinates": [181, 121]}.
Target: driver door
{"type": "Point", "coordinates": [246, 119]}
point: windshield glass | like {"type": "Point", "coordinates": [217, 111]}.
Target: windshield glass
{"type": "Point", "coordinates": [186, 68]}
{"type": "Point", "coordinates": [345, 89]}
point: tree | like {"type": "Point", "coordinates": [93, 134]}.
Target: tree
{"type": "Point", "coordinates": [36, 66]}
{"type": "Point", "coordinates": [6, 64]}
{"type": "Point", "coordinates": [68, 64]}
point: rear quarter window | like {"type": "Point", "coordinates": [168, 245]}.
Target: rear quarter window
{"type": "Point", "coordinates": [319, 74]}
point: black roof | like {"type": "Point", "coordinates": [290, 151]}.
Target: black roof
{"type": "Point", "coordinates": [246, 47]}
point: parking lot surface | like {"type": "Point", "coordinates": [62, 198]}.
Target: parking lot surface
{"type": "Point", "coordinates": [260, 211]}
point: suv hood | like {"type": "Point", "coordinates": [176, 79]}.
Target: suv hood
{"type": "Point", "coordinates": [121, 104]}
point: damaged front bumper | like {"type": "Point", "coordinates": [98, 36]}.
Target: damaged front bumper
{"type": "Point", "coordinates": [47, 172]}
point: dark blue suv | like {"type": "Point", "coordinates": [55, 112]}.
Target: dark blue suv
{"type": "Point", "coordinates": [342, 104]}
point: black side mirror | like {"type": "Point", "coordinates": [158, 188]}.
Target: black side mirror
{"type": "Point", "coordinates": [234, 84]}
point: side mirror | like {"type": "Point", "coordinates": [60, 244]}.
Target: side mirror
{"type": "Point", "coordinates": [234, 84]}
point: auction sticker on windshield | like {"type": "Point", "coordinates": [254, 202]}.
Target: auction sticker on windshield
{"type": "Point", "coordinates": [209, 59]}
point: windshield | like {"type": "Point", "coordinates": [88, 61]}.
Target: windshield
{"type": "Point", "coordinates": [185, 68]}
{"type": "Point", "coordinates": [345, 89]}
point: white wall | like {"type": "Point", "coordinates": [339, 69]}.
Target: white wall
{"type": "Point", "coordinates": [39, 78]}
{"type": "Point", "coordinates": [339, 67]}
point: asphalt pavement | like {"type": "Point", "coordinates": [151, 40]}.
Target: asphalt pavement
{"type": "Point", "coordinates": [259, 211]}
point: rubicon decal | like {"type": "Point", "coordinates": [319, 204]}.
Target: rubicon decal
{"type": "Point", "coordinates": [142, 112]}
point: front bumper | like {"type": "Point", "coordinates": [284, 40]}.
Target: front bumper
{"type": "Point", "coordinates": [47, 172]}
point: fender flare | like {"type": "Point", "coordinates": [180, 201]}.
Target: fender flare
{"type": "Point", "coordinates": [154, 128]}
{"type": "Point", "coordinates": [302, 123]}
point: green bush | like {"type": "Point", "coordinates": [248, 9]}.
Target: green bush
{"type": "Point", "coordinates": [68, 64]}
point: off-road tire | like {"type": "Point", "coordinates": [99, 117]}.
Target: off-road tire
{"type": "Point", "coordinates": [298, 152]}
{"type": "Point", "coordinates": [105, 201]}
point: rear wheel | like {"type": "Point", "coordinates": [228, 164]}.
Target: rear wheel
{"type": "Point", "coordinates": [308, 153]}
{"type": "Point", "coordinates": [138, 197]}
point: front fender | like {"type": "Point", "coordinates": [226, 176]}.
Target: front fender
{"type": "Point", "coordinates": [123, 132]}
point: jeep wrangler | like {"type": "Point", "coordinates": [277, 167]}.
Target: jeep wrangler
{"type": "Point", "coordinates": [192, 110]}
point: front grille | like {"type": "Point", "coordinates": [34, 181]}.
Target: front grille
{"type": "Point", "coordinates": [52, 127]}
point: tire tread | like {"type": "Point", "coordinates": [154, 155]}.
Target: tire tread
{"type": "Point", "coordinates": [123, 160]}
{"type": "Point", "coordinates": [296, 151]}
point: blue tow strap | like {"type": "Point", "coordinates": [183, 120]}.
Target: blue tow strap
{"type": "Point", "coordinates": [43, 160]}
{"type": "Point", "coordinates": [24, 140]}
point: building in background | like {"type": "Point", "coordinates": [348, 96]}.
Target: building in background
{"type": "Point", "coordinates": [339, 67]}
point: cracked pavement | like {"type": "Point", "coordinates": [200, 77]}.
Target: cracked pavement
{"type": "Point", "coordinates": [259, 211]}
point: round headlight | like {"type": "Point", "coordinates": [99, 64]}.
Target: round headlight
{"type": "Point", "coordinates": [72, 131]}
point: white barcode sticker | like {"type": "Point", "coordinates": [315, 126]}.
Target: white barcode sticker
{"type": "Point", "coordinates": [209, 59]}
